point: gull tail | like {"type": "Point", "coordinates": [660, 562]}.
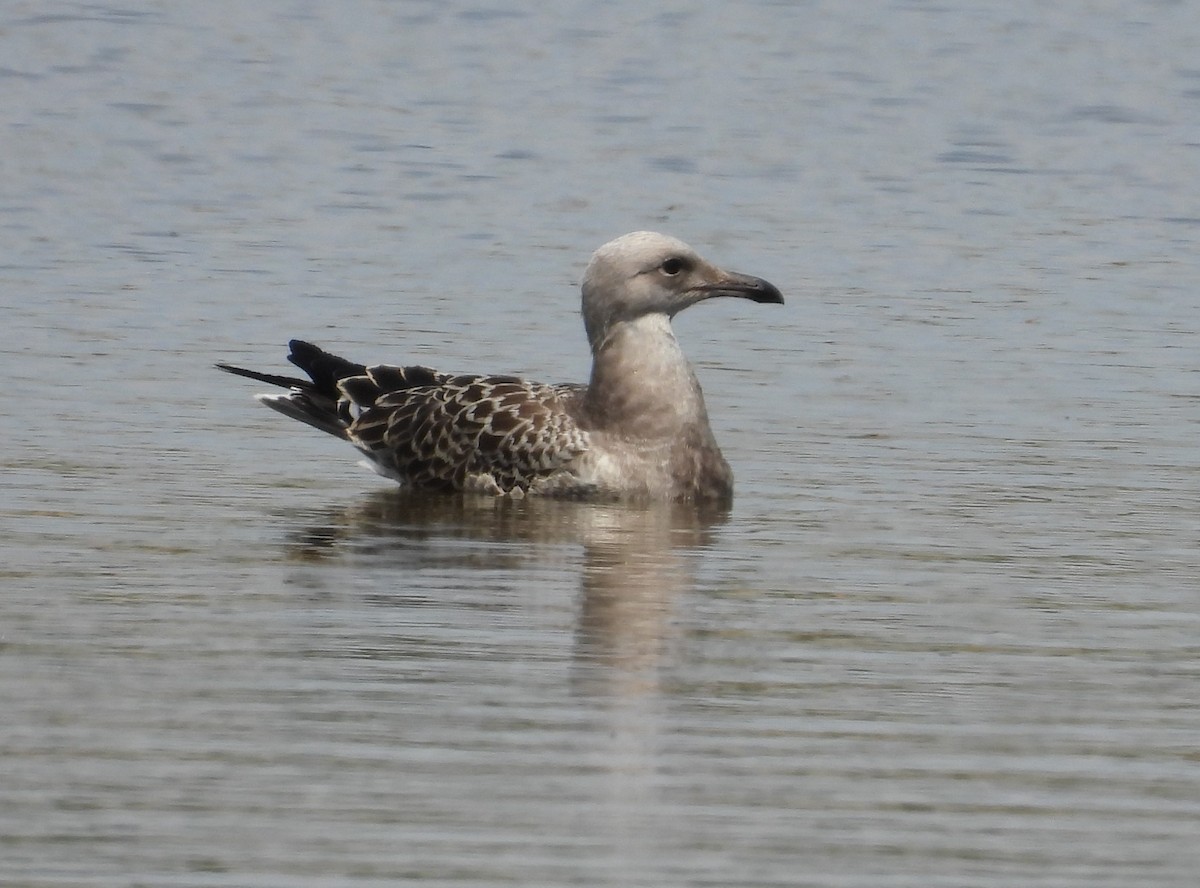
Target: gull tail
{"type": "Point", "coordinates": [313, 401]}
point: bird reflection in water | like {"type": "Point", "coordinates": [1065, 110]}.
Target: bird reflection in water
{"type": "Point", "coordinates": [632, 563]}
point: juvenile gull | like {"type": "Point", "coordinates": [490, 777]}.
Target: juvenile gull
{"type": "Point", "coordinates": [637, 430]}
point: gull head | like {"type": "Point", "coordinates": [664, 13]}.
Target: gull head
{"type": "Point", "coordinates": [646, 273]}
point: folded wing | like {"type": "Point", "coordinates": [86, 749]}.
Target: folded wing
{"type": "Point", "coordinates": [460, 432]}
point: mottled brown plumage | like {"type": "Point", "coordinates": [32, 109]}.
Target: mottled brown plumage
{"type": "Point", "coordinates": [494, 433]}
{"type": "Point", "coordinates": [638, 429]}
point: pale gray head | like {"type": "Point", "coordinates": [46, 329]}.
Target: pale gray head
{"type": "Point", "coordinates": [646, 273]}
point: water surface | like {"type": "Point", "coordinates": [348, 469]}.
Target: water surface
{"type": "Point", "coordinates": [947, 633]}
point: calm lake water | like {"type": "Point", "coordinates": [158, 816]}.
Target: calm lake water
{"type": "Point", "coordinates": [949, 633]}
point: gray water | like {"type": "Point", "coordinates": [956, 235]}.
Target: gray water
{"type": "Point", "coordinates": [946, 636]}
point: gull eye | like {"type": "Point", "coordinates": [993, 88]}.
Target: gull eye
{"type": "Point", "coordinates": [672, 266]}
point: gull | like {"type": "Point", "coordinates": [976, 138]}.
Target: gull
{"type": "Point", "coordinates": [638, 430]}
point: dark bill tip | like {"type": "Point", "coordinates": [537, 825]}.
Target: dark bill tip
{"type": "Point", "coordinates": [765, 292]}
{"type": "Point", "coordinates": [747, 287]}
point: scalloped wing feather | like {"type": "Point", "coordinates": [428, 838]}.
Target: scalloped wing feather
{"type": "Point", "coordinates": [437, 430]}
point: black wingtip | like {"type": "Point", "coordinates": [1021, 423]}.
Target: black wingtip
{"type": "Point", "coordinates": [269, 378]}
{"type": "Point", "coordinates": [325, 369]}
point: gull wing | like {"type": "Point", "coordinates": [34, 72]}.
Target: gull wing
{"type": "Point", "coordinates": [498, 433]}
